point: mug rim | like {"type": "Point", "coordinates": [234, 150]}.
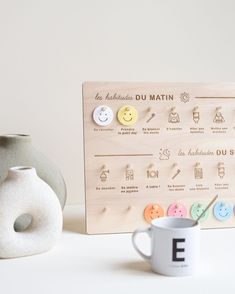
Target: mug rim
{"type": "Point", "coordinates": [160, 223]}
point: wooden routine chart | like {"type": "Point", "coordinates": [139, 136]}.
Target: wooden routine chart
{"type": "Point", "coordinates": [158, 149]}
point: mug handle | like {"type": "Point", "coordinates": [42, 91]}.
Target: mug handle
{"type": "Point", "coordinates": [134, 235]}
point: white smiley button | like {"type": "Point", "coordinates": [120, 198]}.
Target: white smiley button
{"type": "Point", "coordinates": [103, 115]}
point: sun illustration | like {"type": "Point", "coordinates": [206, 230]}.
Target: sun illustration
{"type": "Point", "coordinates": [184, 97]}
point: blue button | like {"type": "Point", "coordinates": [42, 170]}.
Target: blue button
{"type": "Point", "coordinates": [222, 210]}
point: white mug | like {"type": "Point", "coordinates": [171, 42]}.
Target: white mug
{"type": "Point", "coordinates": [175, 246]}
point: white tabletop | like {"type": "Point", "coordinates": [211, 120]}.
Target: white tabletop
{"type": "Point", "coordinates": [83, 263]}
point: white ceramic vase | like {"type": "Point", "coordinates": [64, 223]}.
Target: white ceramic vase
{"type": "Point", "coordinates": [23, 193]}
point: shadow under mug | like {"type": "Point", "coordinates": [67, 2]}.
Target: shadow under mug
{"type": "Point", "coordinates": [175, 246]}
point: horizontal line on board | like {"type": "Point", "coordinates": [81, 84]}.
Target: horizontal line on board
{"type": "Point", "coordinates": [215, 97]}
{"type": "Point", "coordinates": [113, 155]}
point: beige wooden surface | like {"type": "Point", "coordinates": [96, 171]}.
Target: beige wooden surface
{"type": "Point", "coordinates": [117, 204]}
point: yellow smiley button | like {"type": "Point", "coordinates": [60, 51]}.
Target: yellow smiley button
{"type": "Point", "coordinates": [127, 115]}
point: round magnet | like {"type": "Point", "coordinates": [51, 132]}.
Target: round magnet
{"type": "Point", "coordinates": [127, 115]}
{"type": "Point", "coordinates": [153, 211]}
{"type": "Point", "coordinates": [177, 210]}
{"type": "Point", "coordinates": [197, 209]}
{"type": "Point", "coordinates": [103, 115]}
{"type": "Point", "coordinates": [222, 210]}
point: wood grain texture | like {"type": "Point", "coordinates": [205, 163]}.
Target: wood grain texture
{"type": "Point", "coordinates": [201, 136]}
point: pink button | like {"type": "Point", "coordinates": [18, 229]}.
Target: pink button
{"type": "Point", "coordinates": [177, 209]}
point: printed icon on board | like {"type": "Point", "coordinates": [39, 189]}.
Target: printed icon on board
{"type": "Point", "coordinates": [127, 115]}
{"type": "Point", "coordinates": [221, 170]}
{"type": "Point", "coordinates": [196, 115]}
{"type": "Point", "coordinates": [103, 115]}
{"type": "Point", "coordinates": [152, 174]}
{"type": "Point", "coordinates": [184, 97]}
{"type": "Point", "coordinates": [104, 175]}
{"type": "Point", "coordinates": [176, 174]}
{"type": "Point", "coordinates": [164, 154]}
{"type": "Point", "coordinates": [198, 172]}
{"type": "Point", "coordinates": [173, 116]}
{"type": "Point", "coordinates": [151, 116]}
{"type": "Point", "coordinates": [129, 174]}
{"type": "Point", "coordinates": [218, 116]}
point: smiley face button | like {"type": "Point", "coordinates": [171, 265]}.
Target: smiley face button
{"type": "Point", "coordinates": [103, 115]}
{"type": "Point", "coordinates": [153, 211]}
{"type": "Point", "coordinates": [222, 210]}
{"type": "Point", "coordinates": [197, 209]}
{"type": "Point", "coordinates": [177, 210]}
{"type": "Point", "coordinates": [127, 115]}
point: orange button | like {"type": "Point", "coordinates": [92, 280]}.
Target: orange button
{"type": "Point", "coordinates": [153, 211]}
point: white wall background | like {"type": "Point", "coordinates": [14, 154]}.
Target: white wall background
{"type": "Point", "coordinates": [49, 47]}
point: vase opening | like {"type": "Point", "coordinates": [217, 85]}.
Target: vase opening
{"type": "Point", "coordinates": [21, 171]}
{"type": "Point", "coordinates": [16, 135]}
{"type": "Point", "coordinates": [9, 139]}
{"type": "Point", "coordinates": [23, 222]}
{"type": "Point", "coordinates": [22, 168]}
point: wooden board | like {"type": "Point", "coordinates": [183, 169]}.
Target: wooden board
{"type": "Point", "coordinates": [180, 150]}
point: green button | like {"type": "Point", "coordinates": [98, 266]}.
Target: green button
{"type": "Point", "coordinates": [197, 209]}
